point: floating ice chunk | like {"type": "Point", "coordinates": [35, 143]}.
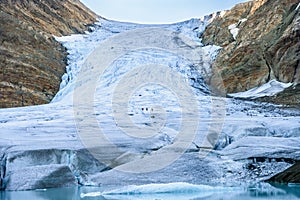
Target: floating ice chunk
{"type": "Point", "coordinates": [174, 188]}
{"type": "Point", "coordinates": [167, 191]}
{"type": "Point", "coordinates": [91, 194]}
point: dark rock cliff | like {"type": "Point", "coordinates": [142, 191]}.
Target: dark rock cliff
{"type": "Point", "coordinates": [31, 61]}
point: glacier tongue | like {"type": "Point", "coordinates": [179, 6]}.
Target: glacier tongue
{"type": "Point", "coordinates": [225, 141]}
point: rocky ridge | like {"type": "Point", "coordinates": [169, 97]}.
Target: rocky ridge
{"type": "Point", "coordinates": [32, 61]}
{"type": "Point", "coordinates": [260, 41]}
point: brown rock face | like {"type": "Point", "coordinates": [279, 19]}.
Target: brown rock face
{"type": "Point", "coordinates": [31, 61]}
{"type": "Point", "coordinates": [266, 47]}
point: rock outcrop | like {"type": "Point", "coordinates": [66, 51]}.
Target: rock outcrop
{"type": "Point", "coordinates": [32, 62]}
{"type": "Point", "coordinates": [260, 40]}
{"type": "Point", "coordinates": [290, 175]}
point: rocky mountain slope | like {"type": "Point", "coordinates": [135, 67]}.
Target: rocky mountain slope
{"type": "Point", "coordinates": [32, 62]}
{"type": "Point", "coordinates": [260, 41]}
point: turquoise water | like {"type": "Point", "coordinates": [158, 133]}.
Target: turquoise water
{"type": "Point", "coordinates": [260, 192]}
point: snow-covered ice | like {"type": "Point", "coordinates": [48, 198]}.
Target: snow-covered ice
{"type": "Point", "coordinates": [271, 88]}
{"type": "Point", "coordinates": [233, 28]}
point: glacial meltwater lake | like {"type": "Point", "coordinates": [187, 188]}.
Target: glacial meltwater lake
{"type": "Point", "coordinates": [178, 191]}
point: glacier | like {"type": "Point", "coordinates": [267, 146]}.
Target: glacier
{"type": "Point", "coordinates": [133, 109]}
